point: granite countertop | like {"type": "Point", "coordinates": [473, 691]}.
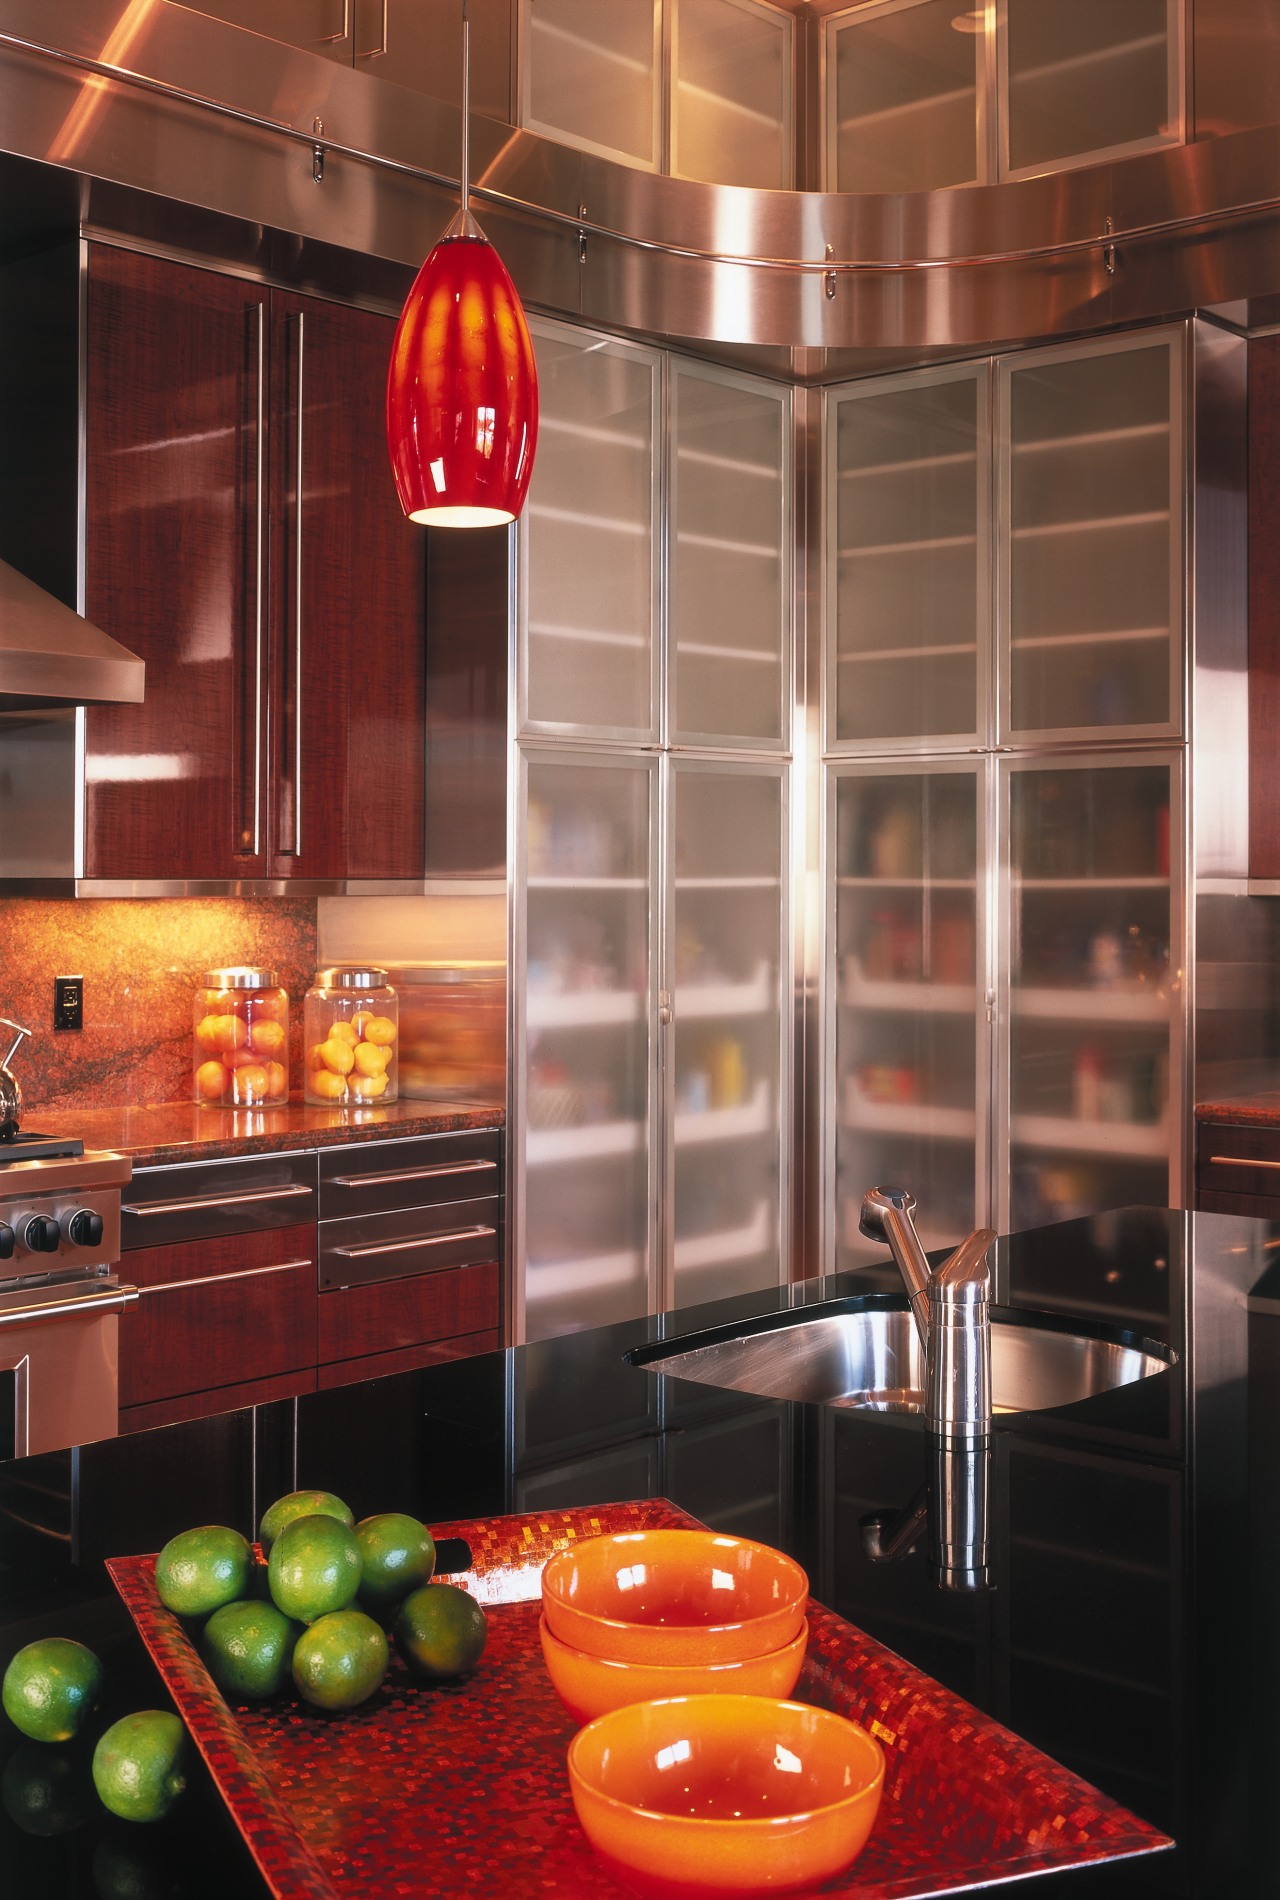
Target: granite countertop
{"type": "Point", "coordinates": [1259, 1108]}
{"type": "Point", "coordinates": [181, 1131]}
{"type": "Point", "coordinates": [1128, 1630]}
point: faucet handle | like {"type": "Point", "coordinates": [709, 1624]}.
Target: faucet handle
{"type": "Point", "coordinates": [19, 1036]}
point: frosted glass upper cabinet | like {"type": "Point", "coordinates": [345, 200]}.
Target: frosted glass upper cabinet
{"type": "Point", "coordinates": [591, 76]}
{"type": "Point", "coordinates": [588, 539]}
{"type": "Point", "coordinates": [908, 561]}
{"type": "Point", "coordinates": [730, 1028]}
{"type": "Point", "coordinates": [730, 581]}
{"type": "Point", "coordinates": [585, 1133]}
{"type": "Point", "coordinates": [732, 86]}
{"type": "Point", "coordinates": [1091, 484]}
{"type": "Point", "coordinates": [1087, 81]}
{"type": "Point", "coordinates": [906, 97]}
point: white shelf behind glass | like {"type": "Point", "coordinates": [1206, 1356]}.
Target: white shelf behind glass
{"type": "Point", "coordinates": [698, 1002]}
{"type": "Point", "coordinates": [582, 1009]}
{"type": "Point", "coordinates": [930, 999]}
{"type": "Point", "coordinates": [696, 1126]}
{"type": "Point", "coordinates": [1137, 1005]}
{"type": "Point", "coordinates": [920, 1120]}
{"type": "Point", "coordinates": [1064, 1134]}
{"type": "Point", "coordinates": [730, 1243]}
{"type": "Point", "coordinates": [582, 1141]}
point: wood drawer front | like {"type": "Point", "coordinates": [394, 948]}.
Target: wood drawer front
{"type": "Point", "coordinates": [223, 1313]}
{"type": "Point", "coordinates": [205, 1198]}
{"type": "Point", "coordinates": [394, 1314]}
{"type": "Point", "coordinates": [410, 1242]}
{"type": "Point", "coordinates": [1238, 1161]}
{"type": "Point", "coordinates": [380, 1365]}
{"type": "Point", "coordinates": [377, 1176]}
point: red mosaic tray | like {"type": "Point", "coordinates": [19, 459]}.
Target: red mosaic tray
{"type": "Point", "coordinates": [463, 1788]}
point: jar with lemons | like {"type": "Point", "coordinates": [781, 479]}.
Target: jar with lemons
{"type": "Point", "coordinates": [240, 1039]}
{"type": "Point", "coordinates": [351, 1035]}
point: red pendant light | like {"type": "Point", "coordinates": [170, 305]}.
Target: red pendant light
{"type": "Point", "coordinates": [462, 390]}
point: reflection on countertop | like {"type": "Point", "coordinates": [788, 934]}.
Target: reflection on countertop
{"type": "Point", "coordinates": [181, 1131]}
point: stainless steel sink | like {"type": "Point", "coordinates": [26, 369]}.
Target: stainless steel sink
{"type": "Point", "coordinates": [866, 1354]}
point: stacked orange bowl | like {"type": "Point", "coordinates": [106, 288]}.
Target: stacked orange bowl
{"type": "Point", "coordinates": [694, 1774]}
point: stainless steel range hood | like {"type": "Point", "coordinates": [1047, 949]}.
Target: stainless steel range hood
{"type": "Point", "coordinates": [51, 657]}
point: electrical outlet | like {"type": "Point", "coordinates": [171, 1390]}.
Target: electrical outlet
{"type": "Point", "coordinates": [68, 1002]}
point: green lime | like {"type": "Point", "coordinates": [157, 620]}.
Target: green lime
{"type": "Point", "coordinates": [200, 1570]}
{"type": "Point", "coordinates": [314, 1568]}
{"type": "Point", "coordinates": [50, 1687]}
{"type": "Point", "coordinates": [300, 1504]}
{"type": "Point", "coordinates": [440, 1631]}
{"type": "Point", "coordinates": [47, 1791]}
{"type": "Point", "coordinates": [398, 1554]}
{"type": "Point", "coordinates": [247, 1648]}
{"type": "Point", "coordinates": [340, 1660]}
{"type": "Point", "coordinates": [139, 1765]}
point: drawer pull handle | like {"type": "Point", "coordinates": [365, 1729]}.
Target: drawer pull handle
{"type": "Point", "coordinates": [216, 1279]}
{"type": "Point", "coordinates": [199, 1201]}
{"type": "Point", "coordinates": [426, 1240]}
{"type": "Point", "coordinates": [1240, 1161]}
{"type": "Point", "coordinates": [47, 1304]}
{"type": "Point", "coordinates": [433, 1173]}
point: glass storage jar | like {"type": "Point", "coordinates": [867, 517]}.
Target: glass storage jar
{"type": "Point", "coordinates": [453, 1031]}
{"type": "Point", "coordinates": [351, 1033]}
{"type": "Point", "coordinates": [240, 1040]}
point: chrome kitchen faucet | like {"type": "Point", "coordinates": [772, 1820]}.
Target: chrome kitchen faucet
{"type": "Point", "coordinates": [952, 1311]}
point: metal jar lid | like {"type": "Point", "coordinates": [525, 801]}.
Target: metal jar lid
{"type": "Point", "coordinates": [351, 977]}
{"type": "Point", "coordinates": [240, 978]}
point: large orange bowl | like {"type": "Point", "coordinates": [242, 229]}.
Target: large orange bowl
{"type": "Point", "coordinates": [725, 1795]}
{"type": "Point", "coordinates": [668, 1596]}
{"type": "Point", "coordinates": [589, 1685]}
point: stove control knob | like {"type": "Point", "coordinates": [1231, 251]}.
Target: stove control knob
{"type": "Point", "coordinates": [41, 1234]}
{"type": "Point", "coordinates": [8, 1240]}
{"type": "Point", "coordinates": [84, 1228]}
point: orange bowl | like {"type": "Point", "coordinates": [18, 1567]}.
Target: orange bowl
{"type": "Point", "coordinates": [668, 1596]}
{"type": "Point", "coordinates": [589, 1685]}
{"type": "Point", "coordinates": [725, 1795]}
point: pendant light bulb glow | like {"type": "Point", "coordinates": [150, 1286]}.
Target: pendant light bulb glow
{"type": "Point", "coordinates": [462, 389]}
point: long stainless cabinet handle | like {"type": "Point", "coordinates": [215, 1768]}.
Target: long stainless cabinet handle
{"type": "Point", "coordinates": [297, 605]}
{"type": "Point", "coordinates": [1240, 1161]}
{"type": "Point", "coordinates": [52, 1303]}
{"type": "Point", "coordinates": [426, 1240]}
{"type": "Point", "coordinates": [329, 39]}
{"type": "Point", "coordinates": [244, 1199]}
{"type": "Point", "coordinates": [216, 1279]}
{"type": "Point", "coordinates": [259, 577]}
{"type": "Point", "coordinates": [433, 1173]}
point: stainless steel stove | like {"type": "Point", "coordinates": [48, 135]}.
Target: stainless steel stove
{"type": "Point", "coordinates": [59, 1298]}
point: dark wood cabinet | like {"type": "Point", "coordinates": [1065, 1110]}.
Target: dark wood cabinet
{"type": "Point", "coordinates": [243, 535]}
{"type": "Point", "coordinates": [1264, 607]}
{"type": "Point", "coordinates": [1238, 1169]}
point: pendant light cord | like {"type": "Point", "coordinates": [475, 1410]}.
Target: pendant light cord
{"type": "Point", "coordinates": [466, 111]}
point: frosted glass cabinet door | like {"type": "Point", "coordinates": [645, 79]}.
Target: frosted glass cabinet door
{"type": "Point", "coordinates": [729, 958]}
{"type": "Point", "coordinates": [585, 1108]}
{"type": "Point", "coordinates": [730, 585]}
{"type": "Point", "coordinates": [1091, 582]}
{"type": "Point", "coordinates": [907, 559]}
{"type": "Point", "coordinates": [1089, 80]}
{"type": "Point", "coordinates": [732, 92]}
{"type": "Point", "coordinates": [1093, 1008]}
{"type": "Point", "coordinates": [592, 76]}
{"type": "Point", "coordinates": [903, 86]}
{"type": "Point", "coordinates": [588, 589]}
{"type": "Point", "coordinates": [909, 998]}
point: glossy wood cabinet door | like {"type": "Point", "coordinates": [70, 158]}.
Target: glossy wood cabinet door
{"type": "Point", "coordinates": [244, 536]}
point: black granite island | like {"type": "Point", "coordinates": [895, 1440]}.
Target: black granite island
{"type": "Point", "coordinates": [1127, 1630]}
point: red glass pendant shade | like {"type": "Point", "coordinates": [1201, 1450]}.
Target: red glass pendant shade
{"type": "Point", "coordinates": [462, 390]}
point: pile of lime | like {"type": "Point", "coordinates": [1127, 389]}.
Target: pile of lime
{"type": "Point", "coordinates": [315, 1614]}
{"type": "Point", "coordinates": [333, 1589]}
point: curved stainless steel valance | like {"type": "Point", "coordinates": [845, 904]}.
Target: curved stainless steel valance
{"type": "Point", "coordinates": [163, 101]}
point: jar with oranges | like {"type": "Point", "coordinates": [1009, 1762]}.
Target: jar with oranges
{"type": "Point", "coordinates": [351, 1033]}
{"type": "Point", "coordinates": [240, 1040]}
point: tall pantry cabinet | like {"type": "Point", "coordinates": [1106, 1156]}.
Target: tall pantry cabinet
{"type": "Point", "coordinates": [651, 960]}
{"type": "Point", "coordinates": [1006, 786]}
